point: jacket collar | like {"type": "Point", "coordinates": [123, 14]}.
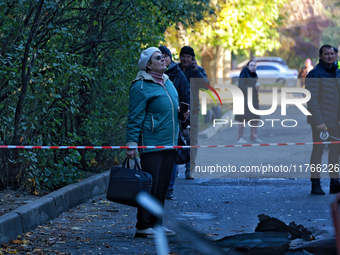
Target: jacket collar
{"type": "Point", "coordinates": [251, 74]}
{"type": "Point", "coordinates": [142, 75]}
{"type": "Point", "coordinates": [329, 69]}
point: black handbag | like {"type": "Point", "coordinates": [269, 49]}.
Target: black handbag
{"type": "Point", "coordinates": [183, 154]}
{"type": "Point", "coordinates": [126, 183]}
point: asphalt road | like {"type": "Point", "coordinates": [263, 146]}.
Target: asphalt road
{"type": "Point", "coordinates": [215, 205]}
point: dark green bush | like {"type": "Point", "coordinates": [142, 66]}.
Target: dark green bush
{"type": "Point", "coordinates": [65, 72]}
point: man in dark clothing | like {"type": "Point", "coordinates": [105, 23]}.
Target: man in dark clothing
{"type": "Point", "coordinates": [191, 69]}
{"type": "Point", "coordinates": [324, 107]}
{"type": "Point", "coordinates": [176, 76]}
{"type": "Point", "coordinates": [183, 89]}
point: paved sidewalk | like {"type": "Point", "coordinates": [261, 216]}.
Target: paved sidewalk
{"type": "Point", "coordinates": [38, 212]}
{"type": "Point", "coordinates": [214, 207]}
{"type": "Point", "coordinates": [97, 226]}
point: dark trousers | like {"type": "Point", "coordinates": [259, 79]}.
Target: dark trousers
{"type": "Point", "coordinates": [159, 164]}
{"type": "Point", "coordinates": [193, 140]}
{"type": "Point", "coordinates": [333, 154]}
{"type": "Point", "coordinates": [173, 177]}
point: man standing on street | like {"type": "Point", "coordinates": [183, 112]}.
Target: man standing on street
{"type": "Point", "coordinates": [324, 107]}
{"type": "Point", "coordinates": [191, 69]}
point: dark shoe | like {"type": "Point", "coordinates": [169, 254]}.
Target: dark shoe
{"type": "Point", "coordinates": [145, 233]}
{"type": "Point", "coordinates": [334, 187]}
{"type": "Point", "coordinates": [316, 188]}
{"type": "Point", "coordinates": [188, 175]}
{"type": "Point", "coordinates": [169, 194]}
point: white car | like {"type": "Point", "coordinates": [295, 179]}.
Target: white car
{"type": "Point", "coordinates": [270, 73]}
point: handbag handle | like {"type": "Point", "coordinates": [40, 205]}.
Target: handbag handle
{"type": "Point", "coordinates": [127, 164]}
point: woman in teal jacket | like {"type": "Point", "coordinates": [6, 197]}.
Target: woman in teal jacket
{"type": "Point", "coordinates": [153, 120]}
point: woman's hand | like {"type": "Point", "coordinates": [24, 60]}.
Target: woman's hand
{"type": "Point", "coordinates": [186, 114]}
{"type": "Point", "coordinates": [131, 153]}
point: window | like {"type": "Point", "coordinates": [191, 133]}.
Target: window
{"type": "Point", "coordinates": [271, 68]}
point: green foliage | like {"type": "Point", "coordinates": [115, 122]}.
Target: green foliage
{"type": "Point", "coordinates": [330, 35]}
{"type": "Point", "coordinates": [66, 69]}
{"type": "Point", "coordinates": [237, 25]}
{"type": "Point", "coordinates": [303, 32]}
{"type": "Point", "coordinates": [54, 175]}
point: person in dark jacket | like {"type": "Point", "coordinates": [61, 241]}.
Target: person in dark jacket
{"type": "Point", "coordinates": [191, 69]}
{"type": "Point", "coordinates": [183, 89]}
{"type": "Point", "coordinates": [153, 120]}
{"type": "Point", "coordinates": [324, 107]}
{"type": "Point", "coordinates": [248, 79]}
{"type": "Point", "coordinates": [304, 71]}
{"type": "Point", "coordinates": [176, 76]}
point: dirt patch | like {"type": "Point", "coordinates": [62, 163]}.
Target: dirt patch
{"type": "Point", "coordinates": [12, 199]}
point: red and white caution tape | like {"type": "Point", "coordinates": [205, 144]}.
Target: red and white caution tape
{"type": "Point", "coordinates": [158, 147]}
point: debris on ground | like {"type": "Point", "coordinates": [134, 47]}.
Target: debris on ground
{"type": "Point", "coordinates": [273, 236]}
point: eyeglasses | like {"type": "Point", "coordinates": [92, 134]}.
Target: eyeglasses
{"type": "Point", "coordinates": [159, 57]}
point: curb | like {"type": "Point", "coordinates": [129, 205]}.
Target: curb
{"type": "Point", "coordinates": [211, 130]}
{"type": "Point", "coordinates": [47, 208]}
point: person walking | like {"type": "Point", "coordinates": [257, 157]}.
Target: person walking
{"type": "Point", "coordinates": [325, 116]}
{"type": "Point", "coordinates": [191, 69]}
{"type": "Point", "coordinates": [153, 120]}
{"type": "Point", "coordinates": [248, 79]}
{"type": "Point", "coordinates": [183, 89]}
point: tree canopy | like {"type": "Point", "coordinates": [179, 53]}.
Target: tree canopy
{"type": "Point", "coordinates": [66, 70]}
{"type": "Point", "coordinates": [237, 25]}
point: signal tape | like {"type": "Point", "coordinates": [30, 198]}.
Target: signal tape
{"type": "Point", "coordinates": [158, 147]}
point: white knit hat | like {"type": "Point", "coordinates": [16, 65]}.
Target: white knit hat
{"type": "Point", "coordinates": [145, 56]}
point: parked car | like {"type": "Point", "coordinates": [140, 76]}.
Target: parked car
{"type": "Point", "coordinates": [271, 59]}
{"type": "Point", "coordinates": [264, 59]}
{"type": "Point", "coordinates": [270, 73]}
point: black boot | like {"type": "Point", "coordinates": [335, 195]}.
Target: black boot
{"type": "Point", "coordinates": [335, 186]}
{"type": "Point", "coordinates": [316, 187]}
